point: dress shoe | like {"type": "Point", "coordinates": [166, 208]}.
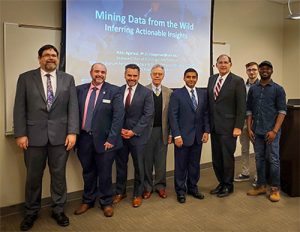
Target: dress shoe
{"type": "Point", "coordinates": [181, 198]}
{"type": "Point", "coordinates": [162, 193]}
{"type": "Point", "coordinates": [225, 192]}
{"type": "Point", "coordinates": [27, 222]}
{"type": "Point", "coordinates": [118, 198]}
{"type": "Point", "coordinates": [82, 209]}
{"type": "Point", "coordinates": [136, 202]}
{"type": "Point", "coordinates": [108, 211]}
{"type": "Point", "coordinates": [61, 219]}
{"type": "Point", "coordinates": [197, 195]}
{"type": "Point", "coordinates": [216, 190]}
{"type": "Point", "coordinates": [147, 195]}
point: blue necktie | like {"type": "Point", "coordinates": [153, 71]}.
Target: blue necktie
{"type": "Point", "coordinates": [90, 110]}
{"type": "Point", "coordinates": [50, 94]}
{"type": "Point", "coordinates": [195, 105]}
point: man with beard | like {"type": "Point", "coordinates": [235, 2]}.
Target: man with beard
{"type": "Point", "coordinates": [45, 127]}
{"type": "Point", "coordinates": [101, 115]}
{"type": "Point", "coordinates": [266, 109]}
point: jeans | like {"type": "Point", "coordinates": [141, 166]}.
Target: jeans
{"type": "Point", "coordinates": [267, 152]}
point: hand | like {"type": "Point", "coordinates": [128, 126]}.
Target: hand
{"type": "Point", "coordinates": [127, 134]}
{"type": "Point", "coordinates": [169, 139]}
{"type": "Point", "coordinates": [205, 137]}
{"type": "Point", "coordinates": [236, 132]}
{"type": "Point", "coordinates": [178, 142]}
{"type": "Point", "coordinates": [270, 136]}
{"type": "Point", "coordinates": [108, 146]}
{"type": "Point", "coordinates": [22, 142]}
{"type": "Point", "coordinates": [70, 141]}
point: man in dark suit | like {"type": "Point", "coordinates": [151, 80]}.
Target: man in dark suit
{"type": "Point", "coordinates": [227, 104]}
{"type": "Point", "coordinates": [189, 121]}
{"type": "Point", "coordinates": [139, 110]}
{"type": "Point", "coordinates": [156, 148]}
{"type": "Point", "coordinates": [101, 114]}
{"type": "Point", "coordinates": [45, 126]}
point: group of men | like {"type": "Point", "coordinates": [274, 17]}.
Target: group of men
{"type": "Point", "coordinates": [106, 123]}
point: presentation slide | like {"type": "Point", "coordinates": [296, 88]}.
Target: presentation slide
{"type": "Point", "coordinates": [173, 33]}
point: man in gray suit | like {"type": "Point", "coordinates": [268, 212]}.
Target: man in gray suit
{"type": "Point", "coordinates": [227, 105]}
{"type": "Point", "coordinates": [45, 126]}
{"type": "Point", "coordinates": [156, 148]}
{"type": "Point", "coordinates": [136, 130]}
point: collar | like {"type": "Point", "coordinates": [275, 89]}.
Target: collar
{"type": "Point", "coordinates": [43, 73]}
{"type": "Point", "coordinates": [95, 86]}
{"type": "Point", "coordinates": [189, 89]}
{"type": "Point", "coordinates": [154, 87]}
{"type": "Point", "coordinates": [223, 77]}
{"type": "Point", "coordinates": [133, 88]}
{"type": "Point", "coordinates": [255, 82]}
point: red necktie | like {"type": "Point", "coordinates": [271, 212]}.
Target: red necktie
{"type": "Point", "coordinates": [128, 98]}
{"type": "Point", "coordinates": [218, 88]}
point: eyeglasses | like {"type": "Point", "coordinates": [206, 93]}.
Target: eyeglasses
{"type": "Point", "coordinates": [252, 70]}
{"type": "Point", "coordinates": [50, 55]}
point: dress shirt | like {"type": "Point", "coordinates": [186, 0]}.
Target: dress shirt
{"type": "Point", "coordinates": [264, 104]}
{"type": "Point", "coordinates": [53, 81]}
{"type": "Point", "coordinates": [154, 88]}
{"type": "Point", "coordinates": [133, 88]}
{"type": "Point", "coordinates": [195, 92]}
{"type": "Point", "coordinates": [87, 99]}
{"type": "Point", "coordinates": [223, 81]}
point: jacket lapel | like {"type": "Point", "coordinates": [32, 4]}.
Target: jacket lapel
{"type": "Point", "coordinates": [188, 97]}
{"type": "Point", "coordinates": [38, 81]}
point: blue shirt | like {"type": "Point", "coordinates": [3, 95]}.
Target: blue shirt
{"type": "Point", "coordinates": [264, 104]}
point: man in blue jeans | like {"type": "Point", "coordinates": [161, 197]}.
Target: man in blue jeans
{"type": "Point", "coordinates": [266, 109]}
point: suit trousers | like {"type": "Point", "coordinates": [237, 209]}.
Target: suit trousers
{"type": "Point", "coordinates": [35, 162]}
{"type": "Point", "coordinates": [223, 148]}
{"type": "Point", "coordinates": [96, 171]}
{"type": "Point", "coordinates": [187, 168]}
{"type": "Point", "coordinates": [155, 157]}
{"type": "Point", "coordinates": [137, 154]}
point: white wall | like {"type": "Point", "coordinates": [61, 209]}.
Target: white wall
{"type": "Point", "coordinates": [255, 29]}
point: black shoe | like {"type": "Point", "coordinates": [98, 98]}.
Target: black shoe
{"type": "Point", "coordinates": [217, 189]}
{"type": "Point", "coordinates": [181, 198]}
{"type": "Point", "coordinates": [27, 222]}
{"type": "Point", "coordinates": [197, 195]}
{"type": "Point", "coordinates": [225, 192]}
{"type": "Point", "coordinates": [61, 219]}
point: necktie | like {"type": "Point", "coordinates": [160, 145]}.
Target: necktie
{"type": "Point", "coordinates": [193, 97]}
{"type": "Point", "coordinates": [50, 94]}
{"type": "Point", "coordinates": [218, 88]}
{"type": "Point", "coordinates": [157, 92]}
{"type": "Point", "coordinates": [128, 98]}
{"type": "Point", "coordinates": [90, 110]}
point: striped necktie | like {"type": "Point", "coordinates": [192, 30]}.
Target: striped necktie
{"type": "Point", "coordinates": [218, 88]}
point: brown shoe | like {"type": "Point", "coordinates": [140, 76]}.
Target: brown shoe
{"type": "Point", "coordinates": [108, 211]}
{"type": "Point", "coordinates": [147, 195]}
{"type": "Point", "coordinates": [257, 191]}
{"type": "Point", "coordinates": [274, 194]}
{"type": "Point", "coordinates": [82, 209]}
{"type": "Point", "coordinates": [162, 193]}
{"type": "Point", "coordinates": [118, 198]}
{"type": "Point", "coordinates": [136, 202]}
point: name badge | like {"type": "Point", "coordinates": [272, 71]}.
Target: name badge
{"type": "Point", "coordinates": [106, 101]}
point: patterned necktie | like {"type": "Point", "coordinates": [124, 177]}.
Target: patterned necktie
{"type": "Point", "coordinates": [157, 92]}
{"type": "Point", "coordinates": [128, 98]}
{"type": "Point", "coordinates": [50, 94]}
{"type": "Point", "coordinates": [193, 97]}
{"type": "Point", "coordinates": [90, 111]}
{"type": "Point", "coordinates": [218, 88]}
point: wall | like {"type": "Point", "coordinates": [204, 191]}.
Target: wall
{"type": "Point", "coordinates": [256, 30]}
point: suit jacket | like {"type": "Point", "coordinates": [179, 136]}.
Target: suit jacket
{"type": "Point", "coordinates": [166, 93]}
{"type": "Point", "coordinates": [31, 117]}
{"type": "Point", "coordinates": [108, 115]}
{"type": "Point", "coordinates": [139, 115]}
{"type": "Point", "coordinates": [228, 110]}
{"type": "Point", "coordinates": [185, 121]}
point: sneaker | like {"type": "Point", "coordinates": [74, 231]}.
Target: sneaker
{"type": "Point", "coordinates": [274, 194]}
{"type": "Point", "coordinates": [257, 191]}
{"type": "Point", "coordinates": [254, 183]}
{"type": "Point", "coordinates": [242, 177]}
